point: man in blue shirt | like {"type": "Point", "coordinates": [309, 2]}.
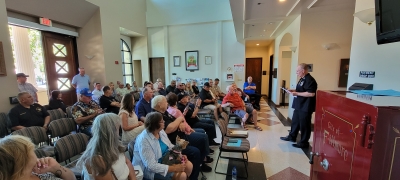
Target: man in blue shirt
{"type": "Point", "coordinates": [143, 106]}
{"type": "Point", "coordinates": [250, 89]}
{"type": "Point", "coordinates": [80, 81]}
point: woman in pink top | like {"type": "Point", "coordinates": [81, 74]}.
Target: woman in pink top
{"type": "Point", "coordinates": [174, 111]}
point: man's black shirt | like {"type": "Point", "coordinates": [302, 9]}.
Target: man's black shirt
{"type": "Point", "coordinates": [27, 117]}
{"type": "Point", "coordinates": [204, 94]}
{"type": "Point", "coordinates": [188, 117]}
{"type": "Point", "coordinates": [168, 118]}
{"type": "Point", "coordinates": [305, 104]}
{"type": "Point", "coordinates": [105, 102]}
{"type": "Point", "coordinates": [170, 89]}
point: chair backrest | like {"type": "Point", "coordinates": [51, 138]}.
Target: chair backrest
{"type": "Point", "coordinates": [131, 147]}
{"type": "Point", "coordinates": [222, 126]}
{"type": "Point", "coordinates": [70, 146]}
{"type": "Point", "coordinates": [3, 125]}
{"type": "Point", "coordinates": [61, 127]}
{"type": "Point", "coordinates": [40, 153]}
{"type": "Point", "coordinates": [56, 114]}
{"type": "Point", "coordinates": [36, 133]}
{"type": "Point", "coordinates": [69, 112]}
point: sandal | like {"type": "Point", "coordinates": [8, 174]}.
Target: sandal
{"type": "Point", "coordinates": [244, 126]}
{"type": "Point", "coordinates": [258, 128]}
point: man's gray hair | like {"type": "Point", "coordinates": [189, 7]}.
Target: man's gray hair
{"type": "Point", "coordinates": [304, 66]}
{"type": "Point", "coordinates": [145, 89]}
{"type": "Point", "coordinates": [228, 88]}
{"type": "Point", "coordinates": [19, 96]}
{"type": "Point", "coordinates": [156, 100]}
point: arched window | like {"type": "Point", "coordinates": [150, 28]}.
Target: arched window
{"type": "Point", "coordinates": [127, 69]}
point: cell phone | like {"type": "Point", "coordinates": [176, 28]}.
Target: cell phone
{"type": "Point", "coordinates": [232, 141]}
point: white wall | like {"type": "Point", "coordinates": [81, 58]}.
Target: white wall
{"type": "Point", "coordinates": [9, 82]}
{"type": "Point", "coordinates": [256, 52]}
{"type": "Point", "coordinates": [366, 55]}
{"type": "Point", "coordinates": [162, 13]}
{"type": "Point", "coordinates": [326, 27]}
{"type": "Point", "coordinates": [215, 39]}
{"type": "Point", "coordinates": [140, 52]}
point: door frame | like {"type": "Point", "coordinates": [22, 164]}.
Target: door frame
{"type": "Point", "coordinates": [246, 75]}
{"type": "Point", "coordinates": [271, 67]}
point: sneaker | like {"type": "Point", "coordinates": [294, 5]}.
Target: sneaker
{"type": "Point", "coordinates": [208, 159]}
{"type": "Point", "coordinates": [213, 143]}
{"type": "Point", "coordinates": [205, 168]}
{"type": "Point", "coordinates": [211, 152]}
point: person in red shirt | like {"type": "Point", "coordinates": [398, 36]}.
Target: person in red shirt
{"type": "Point", "coordinates": [239, 107]}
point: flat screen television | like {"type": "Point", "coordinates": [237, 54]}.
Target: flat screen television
{"type": "Point", "coordinates": [387, 21]}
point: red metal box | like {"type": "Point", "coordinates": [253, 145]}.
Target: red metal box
{"type": "Point", "coordinates": [356, 137]}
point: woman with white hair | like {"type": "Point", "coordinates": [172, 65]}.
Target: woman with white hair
{"type": "Point", "coordinates": [104, 157]}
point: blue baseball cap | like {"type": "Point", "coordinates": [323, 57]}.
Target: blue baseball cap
{"type": "Point", "coordinates": [86, 92]}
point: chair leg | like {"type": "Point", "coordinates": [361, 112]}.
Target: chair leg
{"type": "Point", "coordinates": [219, 155]}
{"type": "Point", "coordinates": [245, 167]}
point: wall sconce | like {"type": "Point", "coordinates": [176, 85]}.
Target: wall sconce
{"type": "Point", "coordinates": [366, 16]}
{"type": "Point", "coordinates": [328, 46]}
{"type": "Point", "coordinates": [90, 57]}
{"type": "Point", "coordinates": [293, 48]}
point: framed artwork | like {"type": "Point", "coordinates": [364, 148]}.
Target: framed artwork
{"type": "Point", "coordinates": [192, 60]}
{"type": "Point", "coordinates": [177, 61]}
{"type": "Point", "coordinates": [2, 61]}
{"type": "Point", "coordinates": [208, 60]}
{"type": "Point", "coordinates": [344, 72]}
{"type": "Point", "coordinates": [310, 67]}
{"type": "Point", "coordinates": [229, 77]}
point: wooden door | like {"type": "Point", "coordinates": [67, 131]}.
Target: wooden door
{"type": "Point", "coordinates": [271, 74]}
{"type": "Point", "coordinates": [60, 63]}
{"type": "Point", "coordinates": [254, 69]}
{"type": "Point", "coordinates": [157, 69]}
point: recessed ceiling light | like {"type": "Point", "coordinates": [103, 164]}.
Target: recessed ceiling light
{"type": "Point", "coordinates": [257, 44]}
{"type": "Point", "coordinates": [264, 30]}
{"type": "Point", "coordinates": [270, 23]}
{"type": "Point", "coordinates": [282, 0]}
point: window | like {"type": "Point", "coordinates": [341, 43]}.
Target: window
{"type": "Point", "coordinates": [127, 69]}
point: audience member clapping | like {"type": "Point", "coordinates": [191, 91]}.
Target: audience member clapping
{"type": "Point", "coordinates": [104, 157]}
{"type": "Point", "coordinates": [18, 161]}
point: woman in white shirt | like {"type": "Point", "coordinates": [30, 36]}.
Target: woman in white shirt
{"type": "Point", "coordinates": [131, 127]}
{"type": "Point", "coordinates": [104, 157]}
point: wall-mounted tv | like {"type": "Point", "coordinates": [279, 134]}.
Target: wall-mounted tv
{"type": "Point", "coordinates": [387, 21]}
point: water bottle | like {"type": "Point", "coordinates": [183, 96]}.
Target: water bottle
{"type": "Point", "coordinates": [234, 173]}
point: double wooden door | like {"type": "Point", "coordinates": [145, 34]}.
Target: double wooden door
{"type": "Point", "coordinates": [60, 64]}
{"type": "Point", "coordinates": [254, 69]}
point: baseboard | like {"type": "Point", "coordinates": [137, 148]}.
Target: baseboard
{"type": "Point", "coordinates": [290, 120]}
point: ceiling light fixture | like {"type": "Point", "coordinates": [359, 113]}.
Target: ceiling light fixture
{"type": "Point", "coordinates": [366, 16]}
{"type": "Point", "coordinates": [257, 44]}
{"type": "Point", "coordinates": [282, 0]}
{"type": "Point", "coordinates": [264, 30]}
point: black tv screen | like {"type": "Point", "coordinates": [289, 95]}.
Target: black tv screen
{"type": "Point", "coordinates": [387, 21]}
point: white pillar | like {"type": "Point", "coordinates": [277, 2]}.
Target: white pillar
{"type": "Point", "coordinates": [23, 54]}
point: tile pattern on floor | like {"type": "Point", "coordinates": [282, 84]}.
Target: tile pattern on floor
{"type": "Point", "coordinates": [279, 158]}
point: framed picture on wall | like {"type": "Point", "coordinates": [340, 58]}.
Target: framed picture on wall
{"type": "Point", "coordinates": [177, 61]}
{"type": "Point", "coordinates": [192, 60]}
{"type": "Point", "coordinates": [230, 77]}
{"type": "Point", "coordinates": [208, 60]}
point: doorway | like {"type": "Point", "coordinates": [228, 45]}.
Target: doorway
{"type": "Point", "coordinates": [157, 69]}
{"type": "Point", "coordinates": [61, 65]}
{"type": "Point", "coordinates": [254, 69]}
{"type": "Point", "coordinates": [271, 74]}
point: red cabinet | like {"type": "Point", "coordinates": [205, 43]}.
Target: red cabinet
{"type": "Point", "coordinates": [356, 137]}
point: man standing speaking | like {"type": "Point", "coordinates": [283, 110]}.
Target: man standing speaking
{"type": "Point", "coordinates": [304, 105]}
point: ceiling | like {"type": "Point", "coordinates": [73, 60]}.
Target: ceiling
{"type": "Point", "coordinates": [263, 20]}
{"type": "Point", "coordinates": [70, 12]}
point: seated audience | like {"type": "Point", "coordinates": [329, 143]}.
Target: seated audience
{"type": "Point", "coordinates": [131, 126]}
{"type": "Point", "coordinates": [120, 91]}
{"type": "Point", "coordinates": [150, 147]}
{"type": "Point", "coordinates": [128, 88]}
{"type": "Point", "coordinates": [143, 106]}
{"type": "Point", "coordinates": [171, 87]}
{"type": "Point", "coordinates": [180, 87]}
{"type": "Point", "coordinates": [18, 161]}
{"type": "Point", "coordinates": [84, 111]}
{"type": "Point", "coordinates": [249, 88]}
{"type": "Point", "coordinates": [217, 89]}
{"type": "Point", "coordinates": [210, 102]}
{"type": "Point", "coordinates": [161, 90]}
{"type": "Point", "coordinates": [239, 107]}
{"type": "Point", "coordinates": [97, 93]}
{"type": "Point", "coordinates": [244, 96]}
{"type": "Point", "coordinates": [155, 85]}
{"type": "Point", "coordinates": [198, 142]}
{"type": "Point", "coordinates": [135, 91]}
{"type": "Point", "coordinates": [195, 88]}
{"type": "Point", "coordinates": [147, 84]}
{"type": "Point", "coordinates": [111, 85]}
{"type": "Point", "coordinates": [56, 102]}
{"type": "Point", "coordinates": [214, 93]}
{"type": "Point", "coordinates": [174, 111]}
{"type": "Point", "coordinates": [27, 113]}
{"type": "Point", "coordinates": [104, 157]}
{"type": "Point", "coordinates": [189, 90]}
{"type": "Point", "coordinates": [109, 103]}
{"type": "Point", "coordinates": [190, 110]}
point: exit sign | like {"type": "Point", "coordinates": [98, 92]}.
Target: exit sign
{"type": "Point", "coordinates": [45, 21]}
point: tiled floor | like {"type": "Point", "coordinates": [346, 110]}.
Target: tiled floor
{"type": "Point", "coordinates": [279, 158]}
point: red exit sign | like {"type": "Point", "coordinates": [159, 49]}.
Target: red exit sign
{"type": "Point", "coordinates": [45, 21]}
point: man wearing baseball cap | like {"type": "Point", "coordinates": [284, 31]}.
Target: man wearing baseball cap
{"type": "Point", "coordinates": [24, 86]}
{"type": "Point", "coordinates": [85, 110]}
